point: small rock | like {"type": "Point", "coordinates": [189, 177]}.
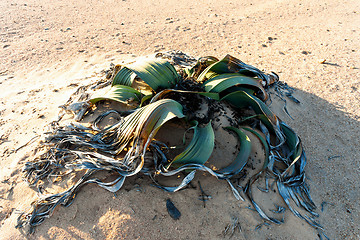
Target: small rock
{"type": "Point", "coordinates": [264, 45]}
{"type": "Point", "coordinates": [305, 52]}
{"type": "Point", "coordinates": [6, 46]}
{"type": "Point", "coordinates": [172, 210]}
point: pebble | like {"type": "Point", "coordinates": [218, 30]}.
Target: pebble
{"type": "Point", "coordinates": [172, 210]}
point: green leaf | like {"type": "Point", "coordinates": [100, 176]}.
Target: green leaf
{"type": "Point", "coordinates": [263, 142]}
{"type": "Point", "coordinates": [119, 93]}
{"type": "Point", "coordinates": [200, 64]}
{"type": "Point", "coordinates": [231, 64]}
{"type": "Point", "coordinates": [166, 92]}
{"type": "Point", "coordinates": [157, 73]}
{"type": "Point", "coordinates": [223, 82]}
{"type": "Point", "coordinates": [298, 159]}
{"type": "Point", "coordinates": [292, 141]}
{"type": "Point", "coordinates": [156, 114]}
{"type": "Point", "coordinates": [241, 159]}
{"type": "Point", "coordinates": [242, 99]}
{"type": "Point", "coordinates": [199, 149]}
{"type": "Point", "coordinates": [146, 98]}
{"type": "Point", "coordinates": [125, 77]}
{"type": "Point", "coordinates": [146, 121]}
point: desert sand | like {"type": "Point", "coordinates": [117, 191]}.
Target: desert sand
{"type": "Point", "coordinates": [49, 48]}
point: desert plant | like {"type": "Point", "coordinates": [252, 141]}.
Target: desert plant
{"type": "Point", "coordinates": [124, 148]}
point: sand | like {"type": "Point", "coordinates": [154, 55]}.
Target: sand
{"type": "Point", "coordinates": [48, 48]}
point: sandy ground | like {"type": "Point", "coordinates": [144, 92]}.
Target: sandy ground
{"type": "Point", "coordinates": [49, 47]}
